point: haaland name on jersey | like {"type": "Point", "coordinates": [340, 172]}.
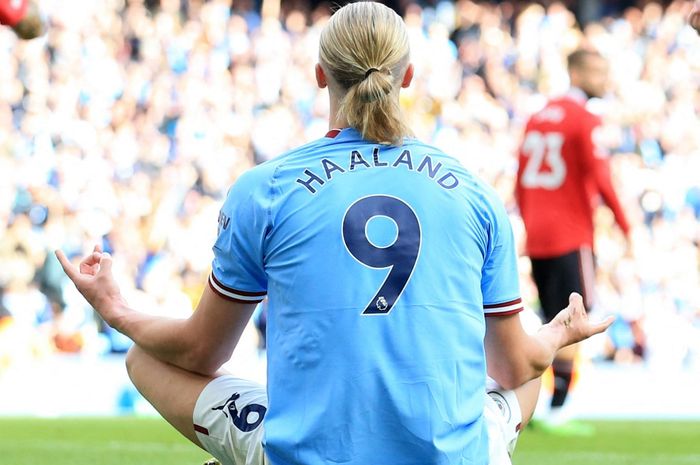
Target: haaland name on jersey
{"type": "Point", "coordinates": [312, 181]}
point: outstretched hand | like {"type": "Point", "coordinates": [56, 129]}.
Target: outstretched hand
{"type": "Point", "coordinates": [94, 280]}
{"type": "Point", "coordinates": [574, 322]}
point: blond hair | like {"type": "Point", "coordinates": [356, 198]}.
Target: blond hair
{"type": "Point", "coordinates": [365, 49]}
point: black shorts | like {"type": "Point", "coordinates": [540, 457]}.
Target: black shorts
{"type": "Point", "coordinates": [557, 277]}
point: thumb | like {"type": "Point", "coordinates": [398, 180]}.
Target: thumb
{"type": "Point", "coordinates": [575, 299]}
{"type": "Point", "coordinates": [105, 263]}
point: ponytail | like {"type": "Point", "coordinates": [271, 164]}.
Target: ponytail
{"type": "Point", "coordinates": [365, 48]}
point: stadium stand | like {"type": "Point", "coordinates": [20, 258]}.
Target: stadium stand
{"type": "Point", "coordinates": [127, 123]}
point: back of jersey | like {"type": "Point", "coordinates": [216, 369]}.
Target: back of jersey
{"type": "Point", "coordinates": [378, 262]}
{"type": "Point", "coordinates": [552, 191]}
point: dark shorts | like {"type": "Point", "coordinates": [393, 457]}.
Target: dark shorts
{"type": "Point", "coordinates": [557, 277]}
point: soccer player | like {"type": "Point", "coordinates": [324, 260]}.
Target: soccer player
{"type": "Point", "coordinates": [391, 278]}
{"type": "Point", "coordinates": [563, 169]}
{"type": "Point", "coordinates": [23, 17]}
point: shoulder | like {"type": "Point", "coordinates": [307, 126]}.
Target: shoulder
{"type": "Point", "coordinates": [584, 120]}
{"type": "Point", "coordinates": [576, 115]}
{"type": "Point", "coordinates": [579, 110]}
{"type": "Point", "coordinates": [555, 112]}
{"type": "Point", "coordinates": [490, 202]}
{"type": "Point", "coordinates": [476, 184]}
{"type": "Point", "coordinates": [479, 193]}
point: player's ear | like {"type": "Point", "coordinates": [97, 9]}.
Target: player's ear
{"type": "Point", "coordinates": [408, 76]}
{"type": "Point", "coordinates": [321, 77]}
{"type": "Point", "coordinates": [574, 77]}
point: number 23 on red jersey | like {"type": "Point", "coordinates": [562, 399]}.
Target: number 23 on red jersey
{"type": "Point", "coordinates": [545, 167]}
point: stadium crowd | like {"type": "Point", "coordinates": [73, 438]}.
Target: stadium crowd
{"type": "Point", "coordinates": [126, 124]}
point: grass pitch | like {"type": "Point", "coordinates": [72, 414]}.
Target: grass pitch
{"type": "Point", "coordinates": [615, 443]}
{"type": "Point", "coordinates": [150, 441]}
{"type": "Point", "coordinates": [94, 441]}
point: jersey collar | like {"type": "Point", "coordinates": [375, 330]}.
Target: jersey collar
{"type": "Point", "coordinates": [577, 95]}
{"type": "Point", "coordinates": [343, 133]}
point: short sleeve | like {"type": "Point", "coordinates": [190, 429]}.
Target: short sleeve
{"type": "Point", "coordinates": [238, 271]}
{"type": "Point", "coordinates": [500, 286]}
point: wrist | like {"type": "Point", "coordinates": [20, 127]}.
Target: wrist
{"type": "Point", "coordinates": [120, 317]}
{"type": "Point", "coordinates": [553, 335]}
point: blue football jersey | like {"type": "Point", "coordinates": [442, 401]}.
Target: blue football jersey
{"type": "Point", "coordinates": [380, 264]}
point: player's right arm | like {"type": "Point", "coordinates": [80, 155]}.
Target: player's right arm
{"type": "Point", "coordinates": [200, 344]}
{"type": "Point", "coordinates": [205, 340]}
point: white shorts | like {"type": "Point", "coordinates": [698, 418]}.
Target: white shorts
{"type": "Point", "coordinates": [503, 421]}
{"type": "Point", "coordinates": [228, 420]}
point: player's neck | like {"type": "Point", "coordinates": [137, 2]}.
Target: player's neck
{"type": "Point", "coordinates": [336, 121]}
{"type": "Point", "coordinates": [578, 94]}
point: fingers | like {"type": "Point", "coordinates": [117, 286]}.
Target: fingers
{"type": "Point", "coordinates": [89, 265]}
{"type": "Point", "coordinates": [598, 328]}
{"type": "Point", "coordinates": [105, 263]}
{"type": "Point", "coordinates": [575, 300]}
{"type": "Point", "coordinates": [578, 314]}
{"type": "Point", "coordinates": [71, 271]}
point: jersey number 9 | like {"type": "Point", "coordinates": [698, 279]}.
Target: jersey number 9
{"type": "Point", "coordinates": [400, 256]}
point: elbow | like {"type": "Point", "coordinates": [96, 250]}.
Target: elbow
{"type": "Point", "coordinates": [202, 362]}
{"type": "Point", "coordinates": [507, 383]}
{"type": "Point", "coordinates": [514, 375]}
{"type": "Point", "coordinates": [205, 358]}
{"type": "Point", "coordinates": [515, 382]}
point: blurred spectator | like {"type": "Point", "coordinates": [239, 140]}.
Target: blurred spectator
{"type": "Point", "coordinates": [128, 122]}
{"type": "Point", "coordinates": [23, 17]}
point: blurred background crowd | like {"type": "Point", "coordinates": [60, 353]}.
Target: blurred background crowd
{"type": "Point", "coordinates": [126, 124]}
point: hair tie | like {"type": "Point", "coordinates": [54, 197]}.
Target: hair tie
{"type": "Point", "coordinates": [370, 71]}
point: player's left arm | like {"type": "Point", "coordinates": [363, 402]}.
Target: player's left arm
{"type": "Point", "coordinates": [513, 357]}
{"type": "Point", "coordinates": [201, 343]}
{"type": "Point", "coordinates": [596, 160]}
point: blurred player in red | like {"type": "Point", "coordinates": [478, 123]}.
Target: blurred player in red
{"type": "Point", "coordinates": [23, 17]}
{"type": "Point", "coordinates": [563, 170]}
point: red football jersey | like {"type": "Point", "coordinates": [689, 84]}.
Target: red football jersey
{"type": "Point", "coordinates": [12, 11]}
{"type": "Point", "coordinates": [562, 172]}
